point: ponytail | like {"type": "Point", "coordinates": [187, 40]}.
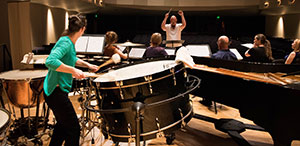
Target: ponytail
{"type": "Point", "coordinates": [267, 45]}
{"type": "Point", "coordinates": [76, 22]}
{"type": "Point", "coordinates": [268, 50]}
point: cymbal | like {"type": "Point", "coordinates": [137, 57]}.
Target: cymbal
{"type": "Point", "coordinates": [172, 41]}
{"type": "Point", "coordinates": [129, 44]}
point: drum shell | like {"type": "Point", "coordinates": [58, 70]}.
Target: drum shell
{"type": "Point", "coordinates": [166, 113]}
{"type": "Point", "coordinates": [23, 93]}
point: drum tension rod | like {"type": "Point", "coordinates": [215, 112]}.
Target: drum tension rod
{"type": "Point", "coordinates": [160, 133]}
{"type": "Point", "coordinates": [172, 70]}
{"type": "Point", "coordinates": [120, 84]}
{"type": "Point", "coordinates": [107, 130]}
{"type": "Point", "coordinates": [148, 79]}
{"type": "Point", "coordinates": [185, 73]}
{"type": "Point", "coordinates": [183, 124]}
{"type": "Point", "coordinates": [130, 139]}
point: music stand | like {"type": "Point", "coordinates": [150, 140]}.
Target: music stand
{"type": "Point", "coordinates": [172, 42]}
{"type": "Point", "coordinates": [128, 46]}
{"type": "Point", "coordinates": [90, 44]}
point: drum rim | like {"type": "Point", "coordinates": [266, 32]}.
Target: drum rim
{"type": "Point", "coordinates": [5, 125]}
{"type": "Point", "coordinates": [138, 63]}
{"type": "Point", "coordinates": [21, 79]}
{"type": "Point", "coordinates": [25, 79]}
{"type": "Point", "coordinates": [154, 131]}
{"type": "Point", "coordinates": [138, 84]}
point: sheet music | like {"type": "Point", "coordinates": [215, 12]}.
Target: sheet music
{"type": "Point", "coordinates": [248, 45]}
{"type": "Point", "coordinates": [95, 44]}
{"type": "Point", "coordinates": [199, 50]}
{"type": "Point", "coordinates": [137, 52]}
{"type": "Point", "coordinates": [36, 59]}
{"type": "Point", "coordinates": [236, 53]}
{"type": "Point", "coordinates": [170, 51]}
{"type": "Point", "coordinates": [81, 44]}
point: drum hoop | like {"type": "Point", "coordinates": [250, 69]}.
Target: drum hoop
{"type": "Point", "coordinates": [155, 131]}
{"type": "Point", "coordinates": [138, 84]}
{"type": "Point", "coordinates": [8, 121]}
{"type": "Point", "coordinates": [25, 79]}
{"type": "Point", "coordinates": [152, 105]}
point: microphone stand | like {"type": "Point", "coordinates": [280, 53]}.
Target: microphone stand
{"type": "Point", "coordinates": [138, 108]}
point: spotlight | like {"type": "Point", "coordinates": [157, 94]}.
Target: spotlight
{"type": "Point", "coordinates": [266, 4]}
{"type": "Point", "coordinates": [278, 2]}
{"type": "Point", "coordinates": [291, 1]}
{"type": "Point", "coordinates": [100, 3]}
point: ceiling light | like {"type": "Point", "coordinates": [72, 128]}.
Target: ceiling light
{"type": "Point", "coordinates": [291, 1]}
{"type": "Point", "coordinates": [278, 2]}
{"type": "Point", "coordinates": [266, 4]}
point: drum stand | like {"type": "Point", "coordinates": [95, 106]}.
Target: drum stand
{"type": "Point", "coordinates": [138, 108]}
{"type": "Point", "coordinates": [25, 129]}
{"type": "Point", "coordinates": [87, 120]}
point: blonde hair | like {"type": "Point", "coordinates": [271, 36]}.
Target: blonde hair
{"type": "Point", "coordinates": [156, 39]}
{"type": "Point", "coordinates": [110, 37]}
{"type": "Point", "coordinates": [297, 43]}
{"type": "Point", "coordinates": [266, 43]}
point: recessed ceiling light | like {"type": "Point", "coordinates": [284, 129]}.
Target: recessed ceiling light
{"type": "Point", "coordinates": [266, 4]}
{"type": "Point", "coordinates": [278, 2]}
{"type": "Point", "coordinates": [291, 1]}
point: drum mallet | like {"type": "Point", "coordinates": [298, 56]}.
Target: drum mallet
{"type": "Point", "coordinates": [114, 59]}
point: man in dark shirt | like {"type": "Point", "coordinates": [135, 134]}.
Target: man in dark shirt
{"type": "Point", "coordinates": [224, 52]}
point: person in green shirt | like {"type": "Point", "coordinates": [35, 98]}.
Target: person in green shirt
{"type": "Point", "coordinates": [58, 82]}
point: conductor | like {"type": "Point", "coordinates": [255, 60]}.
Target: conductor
{"type": "Point", "coordinates": [173, 30]}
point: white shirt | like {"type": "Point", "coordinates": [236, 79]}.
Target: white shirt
{"type": "Point", "coordinates": [173, 34]}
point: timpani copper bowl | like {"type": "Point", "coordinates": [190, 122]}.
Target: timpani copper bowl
{"type": "Point", "coordinates": [23, 87]}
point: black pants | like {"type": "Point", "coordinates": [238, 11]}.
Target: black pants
{"type": "Point", "coordinates": [67, 127]}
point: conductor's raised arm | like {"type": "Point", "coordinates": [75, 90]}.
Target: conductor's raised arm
{"type": "Point", "coordinates": [180, 13]}
{"type": "Point", "coordinates": [163, 24]}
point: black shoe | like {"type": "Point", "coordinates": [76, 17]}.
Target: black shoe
{"type": "Point", "coordinates": [206, 102]}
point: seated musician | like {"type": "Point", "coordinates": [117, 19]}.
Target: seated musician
{"type": "Point", "coordinates": [224, 52]}
{"type": "Point", "coordinates": [154, 50]}
{"type": "Point", "coordinates": [261, 51]}
{"type": "Point", "coordinates": [110, 38]}
{"type": "Point", "coordinates": [295, 54]}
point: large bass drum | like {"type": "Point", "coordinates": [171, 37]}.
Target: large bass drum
{"type": "Point", "coordinates": [23, 87]}
{"type": "Point", "coordinates": [149, 83]}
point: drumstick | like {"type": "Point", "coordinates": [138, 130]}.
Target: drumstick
{"type": "Point", "coordinates": [92, 75]}
{"type": "Point", "coordinates": [170, 11]}
{"type": "Point", "coordinates": [114, 59]}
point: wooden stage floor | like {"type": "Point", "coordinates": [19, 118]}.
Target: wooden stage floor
{"type": "Point", "coordinates": [196, 133]}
